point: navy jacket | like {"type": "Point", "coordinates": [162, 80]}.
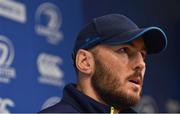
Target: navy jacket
{"type": "Point", "coordinates": [75, 101]}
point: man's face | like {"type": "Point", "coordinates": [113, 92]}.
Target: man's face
{"type": "Point", "coordinates": [119, 73]}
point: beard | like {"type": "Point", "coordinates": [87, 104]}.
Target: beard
{"type": "Point", "coordinates": [109, 87]}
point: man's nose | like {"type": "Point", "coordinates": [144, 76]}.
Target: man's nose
{"type": "Point", "coordinates": [138, 63]}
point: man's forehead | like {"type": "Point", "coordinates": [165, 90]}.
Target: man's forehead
{"type": "Point", "coordinates": [138, 43]}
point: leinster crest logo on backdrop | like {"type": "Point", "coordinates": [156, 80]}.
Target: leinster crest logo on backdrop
{"type": "Point", "coordinates": [48, 22]}
{"type": "Point", "coordinates": [6, 59]}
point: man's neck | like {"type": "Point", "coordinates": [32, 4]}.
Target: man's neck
{"type": "Point", "coordinates": [88, 90]}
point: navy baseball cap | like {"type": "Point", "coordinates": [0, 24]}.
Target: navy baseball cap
{"type": "Point", "coordinates": [115, 29]}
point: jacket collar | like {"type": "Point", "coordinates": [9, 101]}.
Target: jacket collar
{"type": "Point", "coordinates": [84, 103]}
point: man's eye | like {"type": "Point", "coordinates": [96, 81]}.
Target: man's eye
{"type": "Point", "coordinates": [122, 50]}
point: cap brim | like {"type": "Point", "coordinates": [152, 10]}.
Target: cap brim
{"type": "Point", "coordinates": [154, 38]}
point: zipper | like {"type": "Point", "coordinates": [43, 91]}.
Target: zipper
{"type": "Point", "coordinates": [112, 110]}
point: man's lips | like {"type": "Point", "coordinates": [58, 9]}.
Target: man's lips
{"type": "Point", "coordinates": [136, 79]}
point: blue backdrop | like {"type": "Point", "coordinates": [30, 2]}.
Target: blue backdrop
{"type": "Point", "coordinates": [36, 39]}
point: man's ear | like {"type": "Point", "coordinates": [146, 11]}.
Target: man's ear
{"type": "Point", "coordinates": [84, 61]}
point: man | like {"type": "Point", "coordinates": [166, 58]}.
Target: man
{"type": "Point", "coordinates": [109, 57]}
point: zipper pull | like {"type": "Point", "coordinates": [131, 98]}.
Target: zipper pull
{"type": "Point", "coordinates": [112, 110]}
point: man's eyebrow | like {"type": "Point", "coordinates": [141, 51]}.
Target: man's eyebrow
{"type": "Point", "coordinates": [131, 44]}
